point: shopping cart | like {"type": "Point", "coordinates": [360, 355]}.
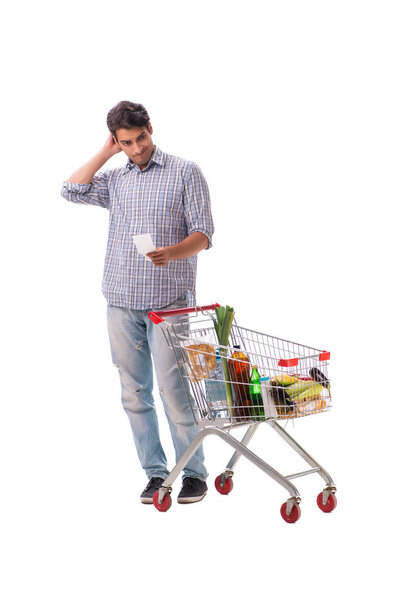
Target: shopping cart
{"type": "Point", "coordinates": [293, 383]}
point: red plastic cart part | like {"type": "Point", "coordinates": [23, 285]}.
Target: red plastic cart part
{"type": "Point", "coordinates": [330, 504]}
{"type": "Point", "coordinates": [165, 504]}
{"type": "Point", "coordinates": [226, 488]}
{"type": "Point", "coordinates": [289, 362]}
{"type": "Point", "coordinates": [294, 515]}
{"type": "Point", "coordinates": [157, 316]}
{"type": "Point", "coordinates": [293, 362]}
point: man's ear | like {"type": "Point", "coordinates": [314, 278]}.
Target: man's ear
{"type": "Point", "coordinates": [115, 140]}
{"type": "Point", "coordinates": [150, 128]}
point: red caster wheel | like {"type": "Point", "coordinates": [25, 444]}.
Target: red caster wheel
{"type": "Point", "coordinates": [294, 515]}
{"type": "Point", "coordinates": [226, 488]}
{"type": "Point", "coordinates": [165, 504]}
{"type": "Point", "coordinates": [330, 505]}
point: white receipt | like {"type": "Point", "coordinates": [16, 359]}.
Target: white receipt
{"type": "Point", "coordinates": [144, 244]}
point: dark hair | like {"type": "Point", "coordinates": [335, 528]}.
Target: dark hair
{"type": "Point", "coordinates": [126, 115]}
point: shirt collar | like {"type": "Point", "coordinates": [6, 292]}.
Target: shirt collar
{"type": "Point", "coordinates": [157, 157]}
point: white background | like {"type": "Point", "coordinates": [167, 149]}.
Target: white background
{"type": "Point", "coordinates": [291, 109]}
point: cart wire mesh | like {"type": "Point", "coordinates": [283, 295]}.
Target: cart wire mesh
{"type": "Point", "coordinates": [257, 377]}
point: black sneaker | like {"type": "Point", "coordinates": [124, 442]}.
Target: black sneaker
{"type": "Point", "coordinates": [151, 488]}
{"type": "Point", "coordinates": [193, 490]}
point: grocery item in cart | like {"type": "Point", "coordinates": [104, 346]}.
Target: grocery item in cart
{"type": "Point", "coordinates": [305, 388]}
{"type": "Point", "coordinates": [319, 376]}
{"type": "Point", "coordinates": [279, 393]}
{"type": "Point", "coordinates": [307, 407]}
{"type": "Point", "coordinates": [312, 392]}
{"type": "Point", "coordinates": [297, 396]}
{"type": "Point", "coordinates": [216, 390]}
{"type": "Point", "coordinates": [223, 324]}
{"type": "Point", "coordinates": [257, 406]}
{"type": "Point", "coordinates": [270, 411]}
{"type": "Point", "coordinates": [202, 360]}
{"type": "Point", "coordinates": [284, 379]}
{"type": "Point", "coordinates": [240, 373]}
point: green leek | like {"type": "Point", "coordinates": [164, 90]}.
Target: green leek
{"type": "Point", "coordinates": [223, 324]}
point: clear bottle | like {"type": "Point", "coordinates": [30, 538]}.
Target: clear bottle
{"type": "Point", "coordinates": [216, 390]}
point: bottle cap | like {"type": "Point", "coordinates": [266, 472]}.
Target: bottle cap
{"type": "Point", "coordinates": [254, 367]}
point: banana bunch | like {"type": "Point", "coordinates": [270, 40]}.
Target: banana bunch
{"type": "Point", "coordinates": [285, 379]}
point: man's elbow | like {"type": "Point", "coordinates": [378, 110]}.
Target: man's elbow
{"type": "Point", "coordinates": [200, 241]}
{"type": "Point", "coordinates": [206, 241]}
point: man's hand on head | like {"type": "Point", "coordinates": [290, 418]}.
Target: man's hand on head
{"type": "Point", "coordinates": [111, 146]}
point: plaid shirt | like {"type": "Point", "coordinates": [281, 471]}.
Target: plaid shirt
{"type": "Point", "coordinates": [168, 199]}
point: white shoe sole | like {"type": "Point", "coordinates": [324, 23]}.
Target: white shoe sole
{"type": "Point", "coordinates": [191, 500]}
{"type": "Point", "coordinates": [146, 500]}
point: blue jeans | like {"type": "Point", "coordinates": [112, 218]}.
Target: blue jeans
{"type": "Point", "coordinates": [134, 339]}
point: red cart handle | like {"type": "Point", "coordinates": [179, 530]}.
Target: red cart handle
{"type": "Point", "coordinates": [293, 362]}
{"type": "Point", "coordinates": [157, 317]}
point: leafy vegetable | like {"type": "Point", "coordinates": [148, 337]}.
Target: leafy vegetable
{"type": "Point", "coordinates": [223, 325]}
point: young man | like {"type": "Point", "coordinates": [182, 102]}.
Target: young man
{"type": "Point", "coordinates": [167, 197]}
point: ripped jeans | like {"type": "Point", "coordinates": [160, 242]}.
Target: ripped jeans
{"type": "Point", "coordinates": [134, 339]}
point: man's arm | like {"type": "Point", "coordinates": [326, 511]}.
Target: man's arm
{"type": "Point", "coordinates": [196, 201]}
{"type": "Point", "coordinates": [84, 186]}
{"type": "Point", "coordinates": [190, 246]}
{"type": "Point", "coordinates": [85, 174]}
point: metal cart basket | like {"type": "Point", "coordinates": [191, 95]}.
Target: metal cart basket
{"type": "Point", "coordinates": [291, 382]}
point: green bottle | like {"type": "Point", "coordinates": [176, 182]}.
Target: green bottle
{"type": "Point", "coordinates": [257, 405]}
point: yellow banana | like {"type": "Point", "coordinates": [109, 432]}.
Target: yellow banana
{"type": "Point", "coordinates": [285, 379]}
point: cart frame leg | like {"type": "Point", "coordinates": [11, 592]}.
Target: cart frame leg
{"type": "Point", "coordinates": [316, 467]}
{"type": "Point", "coordinates": [236, 455]}
{"type": "Point", "coordinates": [240, 450]}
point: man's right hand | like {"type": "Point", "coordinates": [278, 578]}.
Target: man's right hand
{"type": "Point", "coordinates": [85, 173]}
{"type": "Point", "coordinates": [111, 147]}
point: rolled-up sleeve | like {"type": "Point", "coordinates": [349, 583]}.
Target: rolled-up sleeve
{"type": "Point", "coordinates": [96, 192]}
{"type": "Point", "coordinates": [197, 205]}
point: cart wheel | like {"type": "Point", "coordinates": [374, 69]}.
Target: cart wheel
{"type": "Point", "coordinates": [226, 488]}
{"type": "Point", "coordinates": [165, 504]}
{"type": "Point", "coordinates": [330, 505]}
{"type": "Point", "coordinates": [294, 515]}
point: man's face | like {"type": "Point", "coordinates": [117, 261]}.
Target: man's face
{"type": "Point", "coordinates": [137, 144]}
